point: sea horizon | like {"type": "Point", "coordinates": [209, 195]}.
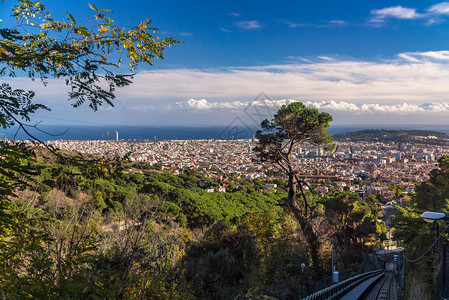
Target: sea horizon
{"type": "Point", "coordinates": [142, 133]}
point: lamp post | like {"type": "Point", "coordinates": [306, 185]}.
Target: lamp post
{"type": "Point", "coordinates": [334, 273]}
{"type": "Point", "coordinates": [332, 251]}
{"type": "Point", "coordinates": [431, 217]}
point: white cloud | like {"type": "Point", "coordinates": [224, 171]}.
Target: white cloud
{"type": "Point", "coordinates": [403, 108]}
{"type": "Point", "coordinates": [394, 12]}
{"type": "Point", "coordinates": [293, 24]}
{"type": "Point", "coordinates": [411, 77]}
{"type": "Point", "coordinates": [429, 55]}
{"type": "Point", "coordinates": [186, 34]}
{"type": "Point", "coordinates": [198, 104]}
{"type": "Point", "coordinates": [439, 8]}
{"type": "Point", "coordinates": [234, 14]}
{"type": "Point", "coordinates": [327, 58]}
{"type": "Point", "coordinates": [203, 104]}
{"type": "Point", "coordinates": [412, 83]}
{"type": "Point", "coordinates": [337, 22]}
{"type": "Point", "coordinates": [248, 25]}
{"type": "Point", "coordinates": [142, 108]}
{"type": "Point", "coordinates": [331, 23]}
{"type": "Point", "coordinates": [431, 15]}
{"type": "Point", "coordinates": [331, 106]}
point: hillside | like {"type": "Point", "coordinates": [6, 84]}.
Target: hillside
{"type": "Point", "coordinates": [398, 136]}
{"type": "Point", "coordinates": [112, 229]}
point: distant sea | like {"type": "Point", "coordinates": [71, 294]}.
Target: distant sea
{"type": "Point", "coordinates": [90, 132]}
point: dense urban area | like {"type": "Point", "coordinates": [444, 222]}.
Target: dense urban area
{"type": "Point", "coordinates": [291, 213]}
{"type": "Point", "coordinates": [367, 168]}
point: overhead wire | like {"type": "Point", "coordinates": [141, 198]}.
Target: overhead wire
{"type": "Point", "coordinates": [431, 246]}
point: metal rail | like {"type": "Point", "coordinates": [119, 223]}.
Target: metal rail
{"type": "Point", "coordinates": [341, 288]}
{"type": "Point", "coordinates": [384, 291]}
{"type": "Point", "coordinates": [378, 289]}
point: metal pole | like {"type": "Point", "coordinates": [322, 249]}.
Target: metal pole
{"type": "Point", "coordinates": [333, 268]}
{"type": "Point", "coordinates": [438, 287]}
{"type": "Point", "coordinates": [438, 230]}
{"type": "Point", "coordinates": [442, 248]}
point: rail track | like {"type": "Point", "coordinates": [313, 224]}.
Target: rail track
{"type": "Point", "coordinates": [385, 289]}
{"type": "Point", "coordinates": [372, 285]}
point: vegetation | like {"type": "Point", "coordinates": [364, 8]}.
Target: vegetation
{"type": "Point", "coordinates": [72, 227]}
{"type": "Point", "coordinates": [86, 56]}
{"type": "Point", "coordinates": [78, 234]}
{"type": "Point", "coordinates": [397, 136]}
{"type": "Point", "coordinates": [292, 126]}
{"type": "Point", "coordinates": [417, 236]}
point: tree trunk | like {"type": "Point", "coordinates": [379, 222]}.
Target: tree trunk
{"type": "Point", "coordinates": [306, 227]}
{"type": "Point", "coordinates": [291, 189]}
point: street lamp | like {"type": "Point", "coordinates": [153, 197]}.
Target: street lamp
{"type": "Point", "coordinates": [430, 216]}
{"type": "Point", "coordinates": [334, 273]}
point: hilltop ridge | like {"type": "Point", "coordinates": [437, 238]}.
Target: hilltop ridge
{"type": "Point", "coordinates": [399, 136]}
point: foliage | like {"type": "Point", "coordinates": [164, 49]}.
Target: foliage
{"type": "Point", "coordinates": [42, 46]}
{"type": "Point", "coordinates": [292, 126]}
{"type": "Point", "coordinates": [14, 174]}
{"type": "Point", "coordinates": [84, 55]}
{"type": "Point", "coordinates": [397, 136]}
{"type": "Point", "coordinates": [257, 256]}
{"type": "Point", "coordinates": [93, 230]}
{"type": "Point", "coordinates": [179, 198]}
{"type": "Point", "coordinates": [415, 234]}
{"type": "Point", "coordinates": [48, 248]}
{"type": "Point", "coordinates": [114, 262]}
{"type": "Point", "coordinates": [120, 234]}
{"type": "Point", "coordinates": [353, 222]}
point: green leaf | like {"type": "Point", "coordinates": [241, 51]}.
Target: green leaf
{"type": "Point", "coordinates": [72, 18]}
{"type": "Point", "coordinates": [93, 7]}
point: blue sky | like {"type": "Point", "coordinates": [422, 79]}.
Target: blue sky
{"type": "Point", "coordinates": [365, 62]}
{"type": "Point", "coordinates": [248, 33]}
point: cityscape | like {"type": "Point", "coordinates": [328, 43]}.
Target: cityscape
{"type": "Point", "coordinates": [380, 164]}
{"type": "Point", "coordinates": [224, 150]}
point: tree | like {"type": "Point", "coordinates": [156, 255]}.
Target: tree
{"type": "Point", "coordinates": [82, 54]}
{"type": "Point", "coordinates": [86, 56]}
{"type": "Point", "coordinates": [433, 194]}
{"type": "Point", "coordinates": [292, 126]}
{"type": "Point", "coordinates": [352, 221]}
{"type": "Point", "coordinates": [416, 235]}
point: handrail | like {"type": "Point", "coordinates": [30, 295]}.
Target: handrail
{"type": "Point", "coordinates": [342, 287]}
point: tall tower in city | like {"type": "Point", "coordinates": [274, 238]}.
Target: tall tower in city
{"type": "Point", "coordinates": [106, 135]}
{"type": "Point", "coordinates": [116, 136]}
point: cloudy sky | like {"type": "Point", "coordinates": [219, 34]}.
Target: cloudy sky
{"type": "Point", "coordinates": [365, 62]}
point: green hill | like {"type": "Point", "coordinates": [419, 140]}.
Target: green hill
{"type": "Point", "coordinates": [399, 136]}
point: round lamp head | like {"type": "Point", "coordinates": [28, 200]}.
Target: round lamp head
{"type": "Point", "coordinates": [430, 216]}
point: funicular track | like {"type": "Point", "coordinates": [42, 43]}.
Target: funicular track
{"type": "Point", "coordinates": [385, 289]}
{"type": "Point", "coordinates": [373, 285]}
